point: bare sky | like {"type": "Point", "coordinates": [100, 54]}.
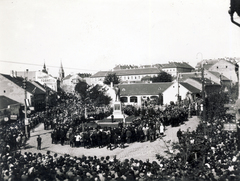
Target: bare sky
{"type": "Point", "coordinates": [92, 35]}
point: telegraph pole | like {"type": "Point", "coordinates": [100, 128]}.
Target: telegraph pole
{"type": "Point", "coordinates": [25, 104]}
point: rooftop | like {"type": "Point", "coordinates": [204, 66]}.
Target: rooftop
{"type": "Point", "coordinates": [125, 72]}
{"type": "Point", "coordinates": [143, 88]}
{"type": "Point", "coordinates": [31, 88]}
{"type": "Point", "coordinates": [5, 102]}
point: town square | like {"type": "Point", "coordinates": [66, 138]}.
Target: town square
{"type": "Point", "coordinates": [119, 90]}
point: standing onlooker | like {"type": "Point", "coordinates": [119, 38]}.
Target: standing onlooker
{"type": "Point", "coordinates": [179, 135]}
{"type": "Point", "coordinates": [39, 142]}
{"type": "Point", "coordinates": [77, 140]}
{"type": "Point", "coordinates": [161, 129]}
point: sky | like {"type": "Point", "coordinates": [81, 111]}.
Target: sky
{"type": "Point", "coordinates": [87, 36]}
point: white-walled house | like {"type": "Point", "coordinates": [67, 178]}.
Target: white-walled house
{"type": "Point", "coordinates": [181, 89]}
{"type": "Point", "coordinates": [136, 94]}
{"type": "Point", "coordinates": [225, 67]}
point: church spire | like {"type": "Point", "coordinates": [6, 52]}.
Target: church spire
{"type": "Point", "coordinates": [61, 72]}
{"type": "Point", "coordinates": [44, 69]}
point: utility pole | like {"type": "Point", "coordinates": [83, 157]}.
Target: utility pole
{"type": "Point", "coordinates": [25, 103]}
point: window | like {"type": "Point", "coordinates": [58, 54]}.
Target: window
{"type": "Point", "coordinates": [226, 66]}
{"type": "Point", "coordinates": [133, 99]}
{"type": "Point", "coordinates": [123, 99]}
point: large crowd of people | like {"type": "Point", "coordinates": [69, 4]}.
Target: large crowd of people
{"type": "Point", "coordinates": [208, 153]}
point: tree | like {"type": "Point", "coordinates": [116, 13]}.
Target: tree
{"type": "Point", "coordinates": [81, 88]}
{"type": "Point", "coordinates": [96, 95]}
{"type": "Point", "coordinates": [215, 104]}
{"type": "Point", "coordinates": [111, 77]}
{"type": "Point", "coordinates": [162, 77]}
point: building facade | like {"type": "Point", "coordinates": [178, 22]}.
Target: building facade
{"type": "Point", "coordinates": [137, 94]}
{"type": "Point", "coordinates": [134, 75]}
{"type": "Point", "coordinates": [174, 68]}
{"type": "Point", "coordinates": [13, 88]}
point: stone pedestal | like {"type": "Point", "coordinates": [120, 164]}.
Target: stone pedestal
{"type": "Point", "coordinates": [117, 110]}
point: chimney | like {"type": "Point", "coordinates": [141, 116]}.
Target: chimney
{"type": "Point", "coordinates": [15, 74]}
{"type": "Point", "coordinates": [12, 73]}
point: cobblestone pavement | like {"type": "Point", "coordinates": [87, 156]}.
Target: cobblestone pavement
{"type": "Point", "coordinates": [137, 150]}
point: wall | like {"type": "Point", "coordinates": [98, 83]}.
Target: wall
{"type": "Point", "coordinates": [11, 90]}
{"type": "Point", "coordinates": [44, 78]}
{"type": "Point", "coordinates": [225, 68]}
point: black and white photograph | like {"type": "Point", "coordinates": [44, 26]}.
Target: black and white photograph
{"type": "Point", "coordinates": [119, 90]}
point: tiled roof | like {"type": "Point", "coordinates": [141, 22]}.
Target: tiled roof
{"type": "Point", "coordinates": [5, 101]}
{"type": "Point", "coordinates": [100, 74]}
{"type": "Point", "coordinates": [217, 74]}
{"type": "Point", "coordinates": [125, 72]}
{"type": "Point", "coordinates": [139, 71]}
{"type": "Point", "coordinates": [177, 65]}
{"type": "Point", "coordinates": [143, 88]}
{"type": "Point", "coordinates": [199, 79]}
{"type": "Point", "coordinates": [184, 76]}
{"type": "Point", "coordinates": [67, 77]}
{"type": "Point", "coordinates": [209, 63]}
{"type": "Point", "coordinates": [29, 86]}
{"type": "Point", "coordinates": [190, 87]}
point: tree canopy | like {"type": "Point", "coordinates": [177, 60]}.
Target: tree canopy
{"type": "Point", "coordinates": [111, 77]}
{"type": "Point", "coordinates": [162, 77]}
{"type": "Point", "coordinates": [95, 95]}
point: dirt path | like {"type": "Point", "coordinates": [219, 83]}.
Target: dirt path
{"type": "Point", "coordinates": [141, 151]}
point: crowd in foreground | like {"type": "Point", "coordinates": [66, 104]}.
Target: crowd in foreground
{"type": "Point", "coordinates": [208, 153]}
{"type": "Point", "coordinates": [199, 157]}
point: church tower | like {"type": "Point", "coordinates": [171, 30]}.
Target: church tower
{"type": "Point", "coordinates": [44, 69]}
{"type": "Point", "coordinates": [61, 73]}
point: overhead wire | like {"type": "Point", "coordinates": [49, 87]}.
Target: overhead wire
{"type": "Point", "coordinates": [53, 66]}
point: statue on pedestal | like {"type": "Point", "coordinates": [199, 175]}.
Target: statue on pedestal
{"type": "Point", "coordinates": [117, 92]}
